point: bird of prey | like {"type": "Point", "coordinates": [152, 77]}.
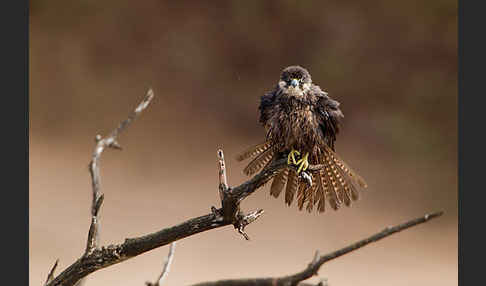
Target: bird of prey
{"type": "Point", "coordinates": [302, 122]}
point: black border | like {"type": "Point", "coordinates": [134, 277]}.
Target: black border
{"type": "Point", "coordinates": [471, 126]}
{"type": "Point", "coordinates": [14, 25]}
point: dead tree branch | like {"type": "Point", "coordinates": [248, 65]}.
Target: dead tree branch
{"type": "Point", "coordinates": [166, 268]}
{"type": "Point", "coordinates": [94, 169]}
{"type": "Point", "coordinates": [318, 261]}
{"type": "Point", "coordinates": [96, 258]}
{"type": "Point", "coordinates": [51, 273]}
{"type": "Point", "coordinates": [223, 181]}
{"type": "Point", "coordinates": [228, 214]}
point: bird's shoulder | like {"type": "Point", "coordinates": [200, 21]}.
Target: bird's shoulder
{"type": "Point", "coordinates": [268, 105]}
{"type": "Point", "coordinates": [270, 99]}
{"type": "Point", "coordinates": [324, 102]}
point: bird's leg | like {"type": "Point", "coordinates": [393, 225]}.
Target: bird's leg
{"type": "Point", "coordinates": [304, 163]}
{"type": "Point", "coordinates": [291, 158]}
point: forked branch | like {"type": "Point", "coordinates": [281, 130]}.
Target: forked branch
{"type": "Point", "coordinates": [94, 169]}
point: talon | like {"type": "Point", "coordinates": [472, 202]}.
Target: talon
{"type": "Point", "coordinates": [291, 158]}
{"type": "Point", "coordinates": [307, 178]}
{"type": "Point", "coordinates": [304, 163]}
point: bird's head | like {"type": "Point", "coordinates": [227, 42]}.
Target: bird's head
{"type": "Point", "coordinates": [295, 81]}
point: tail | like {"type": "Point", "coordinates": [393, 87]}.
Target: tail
{"type": "Point", "coordinates": [336, 183]}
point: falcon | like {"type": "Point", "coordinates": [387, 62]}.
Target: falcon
{"type": "Point", "coordinates": [301, 123]}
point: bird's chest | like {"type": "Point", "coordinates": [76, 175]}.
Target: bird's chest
{"type": "Point", "coordinates": [298, 127]}
{"type": "Point", "coordinates": [301, 120]}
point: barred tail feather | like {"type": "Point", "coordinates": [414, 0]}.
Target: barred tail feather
{"type": "Point", "coordinates": [346, 169]}
{"type": "Point", "coordinates": [311, 198]}
{"type": "Point", "coordinates": [344, 181]}
{"type": "Point", "coordinates": [292, 185]}
{"type": "Point", "coordinates": [253, 151]}
{"type": "Point", "coordinates": [302, 195]}
{"type": "Point", "coordinates": [259, 161]}
{"type": "Point", "coordinates": [336, 186]}
{"type": "Point", "coordinates": [321, 192]}
{"type": "Point", "coordinates": [350, 190]}
{"type": "Point", "coordinates": [279, 183]}
{"type": "Point", "coordinates": [331, 189]}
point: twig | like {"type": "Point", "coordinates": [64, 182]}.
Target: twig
{"type": "Point", "coordinates": [51, 273]}
{"type": "Point", "coordinates": [244, 220]}
{"type": "Point", "coordinates": [318, 261]}
{"type": "Point", "coordinates": [94, 168]}
{"type": "Point", "coordinates": [165, 269]}
{"type": "Point", "coordinates": [223, 181]}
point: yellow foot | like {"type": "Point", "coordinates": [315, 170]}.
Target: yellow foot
{"type": "Point", "coordinates": [303, 163]}
{"type": "Point", "coordinates": [291, 158]}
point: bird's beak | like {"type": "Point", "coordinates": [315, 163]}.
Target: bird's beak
{"type": "Point", "coordinates": [294, 82]}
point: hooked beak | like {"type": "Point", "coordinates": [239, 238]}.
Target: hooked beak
{"type": "Point", "coordinates": [294, 82]}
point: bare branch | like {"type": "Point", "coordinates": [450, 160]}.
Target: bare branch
{"type": "Point", "coordinates": [223, 181]}
{"type": "Point", "coordinates": [228, 214]}
{"type": "Point", "coordinates": [245, 220]}
{"type": "Point", "coordinates": [314, 267]}
{"type": "Point", "coordinates": [165, 269]}
{"type": "Point", "coordinates": [230, 204]}
{"type": "Point", "coordinates": [51, 273]}
{"type": "Point", "coordinates": [94, 168]}
{"type": "Point", "coordinates": [318, 261]}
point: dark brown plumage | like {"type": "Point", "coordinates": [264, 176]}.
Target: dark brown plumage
{"type": "Point", "coordinates": [298, 115]}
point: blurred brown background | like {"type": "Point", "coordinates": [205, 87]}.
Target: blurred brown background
{"type": "Point", "coordinates": [392, 65]}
